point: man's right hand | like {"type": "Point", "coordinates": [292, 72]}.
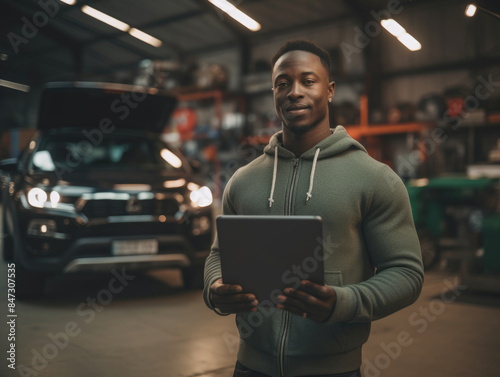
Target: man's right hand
{"type": "Point", "coordinates": [229, 299]}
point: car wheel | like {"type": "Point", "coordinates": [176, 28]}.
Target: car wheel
{"type": "Point", "coordinates": [29, 284]}
{"type": "Point", "coordinates": [193, 277]}
{"type": "Point", "coordinates": [7, 241]}
{"type": "Point", "coordinates": [428, 248]}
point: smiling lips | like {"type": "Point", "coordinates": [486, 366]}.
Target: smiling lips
{"type": "Point", "coordinates": [296, 109]}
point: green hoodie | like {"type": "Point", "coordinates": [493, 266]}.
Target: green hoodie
{"type": "Point", "coordinates": [372, 253]}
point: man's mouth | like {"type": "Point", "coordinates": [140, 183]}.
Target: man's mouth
{"type": "Point", "coordinates": [296, 109]}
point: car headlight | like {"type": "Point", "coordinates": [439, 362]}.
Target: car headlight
{"type": "Point", "coordinates": [201, 196]}
{"type": "Point", "coordinates": [38, 198]}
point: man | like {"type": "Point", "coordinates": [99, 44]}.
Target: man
{"type": "Point", "coordinates": [372, 255]}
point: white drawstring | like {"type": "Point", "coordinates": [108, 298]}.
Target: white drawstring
{"type": "Point", "coordinates": [275, 171]}
{"type": "Point", "coordinates": [311, 179]}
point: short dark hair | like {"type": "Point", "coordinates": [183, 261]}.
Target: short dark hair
{"type": "Point", "coordinates": [303, 45]}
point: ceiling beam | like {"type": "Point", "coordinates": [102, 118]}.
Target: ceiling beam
{"type": "Point", "coordinates": [144, 27]}
{"type": "Point", "coordinates": [14, 12]}
{"type": "Point", "coordinates": [359, 11]}
{"type": "Point", "coordinates": [472, 64]}
{"type": "Point", "coordinates": [111, 37]}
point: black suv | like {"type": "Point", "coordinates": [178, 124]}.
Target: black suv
{"type": "Point", "coordinates": [97, 189]}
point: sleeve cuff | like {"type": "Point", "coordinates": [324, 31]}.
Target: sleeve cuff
{"type": "Point", "coordinates": [345, 307]}
{"type": "Point", "coordinates": [209, 302]}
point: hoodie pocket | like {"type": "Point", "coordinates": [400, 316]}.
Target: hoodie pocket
{"type": "Point", "coordinates": [308, 338]}
{"type": "Point", "coordinates": [351, 335]}
{"type": "Point", "coordinates": [334, 278]}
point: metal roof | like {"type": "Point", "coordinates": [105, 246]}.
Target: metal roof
{"type": "Point", "coordinates": [46, 40]}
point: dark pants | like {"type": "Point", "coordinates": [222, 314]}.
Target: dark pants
{"type": "Point", "coordinates": [242, 371]}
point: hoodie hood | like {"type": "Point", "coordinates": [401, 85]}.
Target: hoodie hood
{"type": "Point", "coordinates": [338, 142]}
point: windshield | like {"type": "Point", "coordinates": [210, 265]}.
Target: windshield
{"type": "Point", "coordinates": [115, 151]}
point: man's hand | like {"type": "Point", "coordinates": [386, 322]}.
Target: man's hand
{"type": "Point", "coordinates": [309, 300]}
{"type": "Point", "coordinates": [229, 299]}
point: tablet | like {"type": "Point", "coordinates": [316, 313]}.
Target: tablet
{"type": "Point", "coordinates": [265, 254]}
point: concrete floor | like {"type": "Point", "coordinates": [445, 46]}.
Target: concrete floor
{"type": "Point", "coordinates": [154, 328]}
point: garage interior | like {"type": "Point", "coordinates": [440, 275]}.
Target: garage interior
{"type": "Point", "coordinates": [430, 110]}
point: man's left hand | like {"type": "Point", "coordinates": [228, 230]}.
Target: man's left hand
{"type": "Point", "coordinates": [309, 300]}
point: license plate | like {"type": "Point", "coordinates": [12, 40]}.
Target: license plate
{"type": "Point", "coordinates": [134, 247]}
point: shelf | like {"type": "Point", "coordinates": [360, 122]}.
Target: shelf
{"type": "Point", "coordinates": [365, 129]}
{"type": "Point", "coordinates": [357, 132]}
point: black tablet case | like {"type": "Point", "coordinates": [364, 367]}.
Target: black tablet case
{"type": "Point", "coordinates": [268, 253]}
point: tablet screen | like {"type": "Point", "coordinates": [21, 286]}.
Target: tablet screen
{"type": "Point", "coordinates": [265, 254]}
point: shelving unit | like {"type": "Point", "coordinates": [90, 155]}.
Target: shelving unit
{"type": "Point", "coordinates": [369, 132]}
{"type": "Point", "coordinates": [218, 97]}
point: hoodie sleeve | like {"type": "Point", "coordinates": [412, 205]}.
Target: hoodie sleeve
{"type": "Point", "coordinates": [212, 264]}
{"type": "Point", "coordinates": [394, 249]}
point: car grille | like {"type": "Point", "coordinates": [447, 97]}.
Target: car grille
{"type": "Point", "coordinates": [111, 207]}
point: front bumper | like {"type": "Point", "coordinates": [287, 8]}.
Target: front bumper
{"type": "Point", "coordinates": [132, 262]}
{"type": "Point", "coordinates": [77, 247]}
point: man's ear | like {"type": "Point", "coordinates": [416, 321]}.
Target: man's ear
{"type": "Point", "coordinates": [331, 90]}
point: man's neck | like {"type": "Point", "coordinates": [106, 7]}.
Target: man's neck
{"type": "Point", "coordinates": [300, 143]}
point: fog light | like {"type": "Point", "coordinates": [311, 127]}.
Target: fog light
{"type": "Point", "coordinates": [42, 227]}
{"type": "Point", "coordinates": [200, 225]}
{"type": "Point", "coordinates": [37, 197]}
{"type": "Point", "coordinates": [200, 196]}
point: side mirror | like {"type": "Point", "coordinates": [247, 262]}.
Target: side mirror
{"type": "Point", "coordinates": [9, 165]}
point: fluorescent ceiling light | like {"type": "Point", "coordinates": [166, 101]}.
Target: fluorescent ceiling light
{"type": "Point", "coordinates": [145, 37]}
{"type": "Point", "coordinates": [121, 26]}
{"type": "Point", "coordinates": [237, 14]}
{"type": "Point", "coordinates": [171, 158]}
{"type": "Point", "coordinates": [470, 11]}
{"type": "Point", "coordinates": [393, 27]}
{"type": "Point", "coordinates": [103, 17]}
{"type": "Point", "coordinates": [14, 85]}
{"type": "Point", "coordinates": [401, 34]}
{"type": "Point", "coordinates": [411, 43]}
{"type": "Point", "coordinates": [69, 2]}
{"type": "Point", "coordinates": [4, 57]}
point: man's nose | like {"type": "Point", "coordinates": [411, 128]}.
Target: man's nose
{"type": "Point", "coordinates": [295, 91]}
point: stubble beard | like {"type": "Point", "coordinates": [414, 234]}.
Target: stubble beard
{"type": "Point", "coordinates": [300, 130]}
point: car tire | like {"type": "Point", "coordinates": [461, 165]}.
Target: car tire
{"type": "Point", "coordinates": [7, 240]}
{"type": "Point", "coordinates": [193, 277]}
{"type": "Point", "coordinates": [29, 284]}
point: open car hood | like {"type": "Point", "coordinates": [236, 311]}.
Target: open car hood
{"type": "Point", "coordinates": [94, 105]}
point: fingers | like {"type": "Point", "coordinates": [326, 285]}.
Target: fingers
{"type": "Point", "coordinates": [228, 298]}
{"type": "Point", "coordinates": [317, 290]}
{"type": "Point", "coordinates": [310, 300]}
{"type": "Point", "coordinates": [237, 305]}
{"type": "Point", "coordinates": [225, 289]}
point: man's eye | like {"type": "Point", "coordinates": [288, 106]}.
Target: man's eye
{"type": "Point", "coordinates": [309, 82]}
{"type": "Point", "coordinates": [281, 84]}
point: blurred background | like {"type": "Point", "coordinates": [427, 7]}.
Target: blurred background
{"type": "Point", "coordinates": [417, 83]}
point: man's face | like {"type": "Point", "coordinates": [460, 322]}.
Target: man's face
{"type": "Point", "coordinates": [301, 91]}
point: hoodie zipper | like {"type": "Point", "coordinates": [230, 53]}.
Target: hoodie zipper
{"type": "Point", "coordinates": [288, 211]}
{"type": "Point", "coordinates": [293, 184]}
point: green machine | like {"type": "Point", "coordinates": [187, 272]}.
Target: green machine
{"type": "Point", "coordinates": [491, 239]}
{"type": "Point", "coordinates": [458, 215]}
